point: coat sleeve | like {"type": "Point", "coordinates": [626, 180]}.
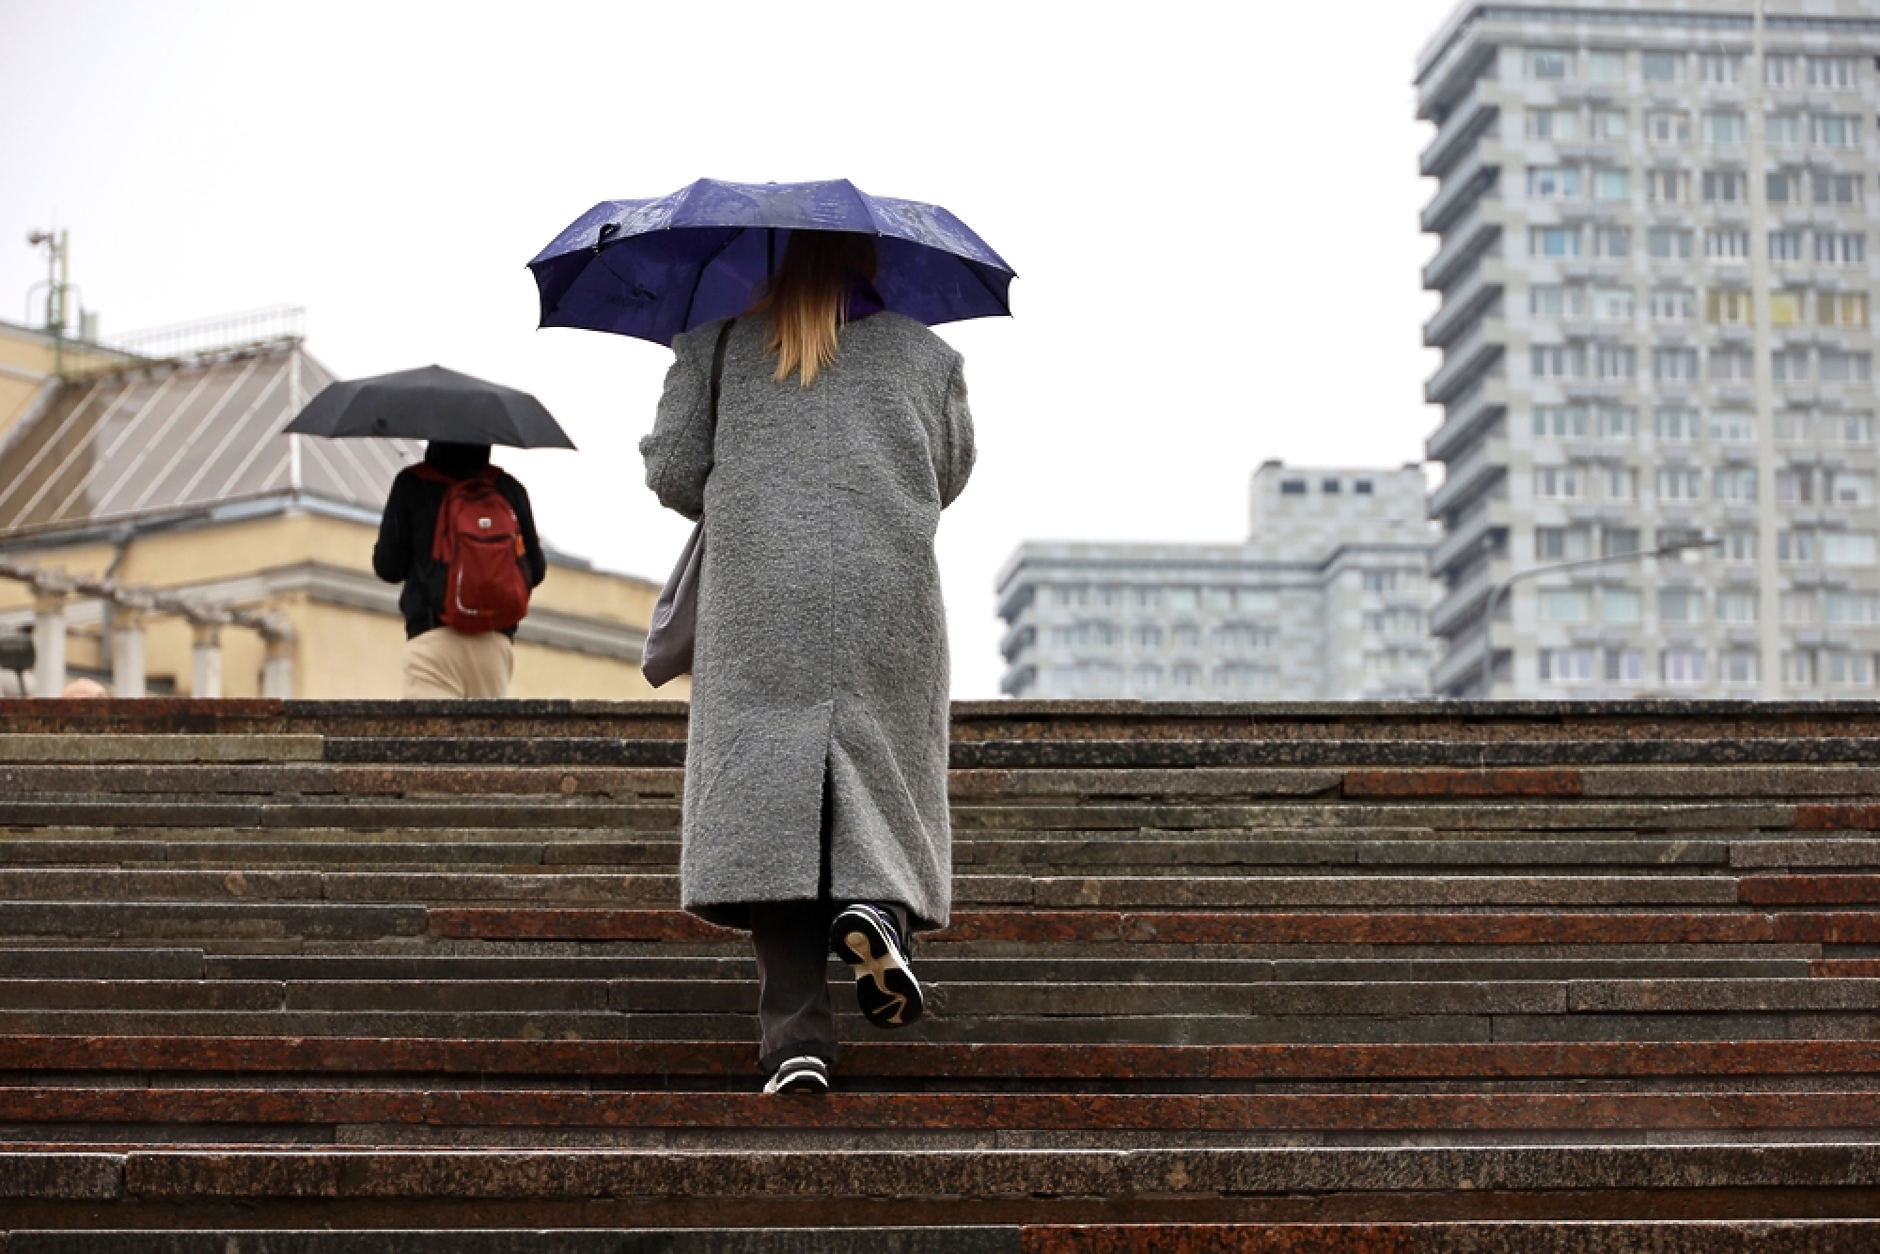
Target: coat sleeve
{"type": "Point", "coordinates": [678, 453]}
{"type": "Point", "coordinates": [957, 423]}
{"type": "Point", "coordinates": [391, 556]}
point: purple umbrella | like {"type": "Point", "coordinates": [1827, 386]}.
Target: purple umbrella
{"type": "Point", "coordinates": [656, 268]}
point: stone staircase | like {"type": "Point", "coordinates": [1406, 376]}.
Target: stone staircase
{"type": "Point", "coordinates": [1389, 978]}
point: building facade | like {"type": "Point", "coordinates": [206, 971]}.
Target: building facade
{"type": "Point", "coordinates": [1328, 600]}
{"type": "Point", "coordinates": [1657, 260]}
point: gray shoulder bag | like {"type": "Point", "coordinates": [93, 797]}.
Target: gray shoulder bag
{"type": "Point", "coordinates": [673, 632]}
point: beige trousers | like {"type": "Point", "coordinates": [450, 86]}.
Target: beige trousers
{"type": "Point", "coordinates": [444, 662]}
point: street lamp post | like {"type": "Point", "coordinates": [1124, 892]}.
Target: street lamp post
{"type": "Point", "coordinates": [1495, 593]}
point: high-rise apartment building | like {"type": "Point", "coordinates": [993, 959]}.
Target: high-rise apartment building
{"type": "Point", "coordinates": [1660, 235]}
{"type": "Point", "coordinates": [1328, 599]}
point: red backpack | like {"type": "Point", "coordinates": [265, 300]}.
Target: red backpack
{"type": "Point", "coordinates": [479, 542]}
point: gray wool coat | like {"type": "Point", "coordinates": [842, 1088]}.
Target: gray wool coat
{"type": "Point", "coordinates": [822, 648]}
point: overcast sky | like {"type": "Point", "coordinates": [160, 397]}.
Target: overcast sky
{"type": "Point", "coordinates": [1211, 208]}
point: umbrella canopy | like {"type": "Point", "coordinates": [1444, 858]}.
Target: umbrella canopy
{"type": "Point", "coordinates": [656, 268]}
{"type": "Point", "coordinates": [430, 404]}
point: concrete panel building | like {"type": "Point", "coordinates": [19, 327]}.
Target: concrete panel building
{"type": "Point", "coordinates": [1328, 599]}
{"type": "Point", "coordinates": [1658, 253]}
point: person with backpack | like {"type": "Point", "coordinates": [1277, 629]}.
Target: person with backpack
{"type": "Point", "coordinates": [459, 534]}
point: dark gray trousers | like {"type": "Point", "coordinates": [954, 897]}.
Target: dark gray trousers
{"type": "Point", "coordinates": [794, 1010]}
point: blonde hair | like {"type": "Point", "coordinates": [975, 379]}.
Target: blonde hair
{"type": "Point", "coordinates": [806, 301]}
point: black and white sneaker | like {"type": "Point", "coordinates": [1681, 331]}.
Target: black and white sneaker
{"type": "Point", "coordinates": [803, 1074]}
{"type": "Point", "coordinates": [865, 937]}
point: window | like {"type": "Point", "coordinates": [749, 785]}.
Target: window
{"type": "Point", "coordinates": [1612, 304]}
{"type": "Point", "coordinates": [1738, 666]}
{"type": "Point", "coordinates": [1733, 427]}
{"type": "Point", "coordinates": [1681, 666]}
{"type": "Point", "coordinates": [1672, 425]}
{"type": "Point", "coordinates": [1680, 605]}
{"type": "Point", "coordinates": [1560, 422]}
{"type": "Point", "coordinates": [1620, 605]}
{"type": "Point", "coordinates": [1072, 596]}
{"type": "Point", "coordinates": [1561, 544]}
{"type": "Point", "coordinates": [1733, 483]}
{"type": "Point", "coordinates": [1853, 670]}
{"type": "Point", "coordinates": [1732, 365]}
{"type": "Point", "coordinates": [1795, 546]}
{"type": "Point", "coordinates": [1782, 189]}
{"type": "Point", "coordinates": [1259, 600]}
{"type": "Point", "coordinates": [1558, 361]}
{"type": "Point", "coordinates": [1148, 636]}
{"type": "Point", "coordinates": [1663, 67]}
{"type": "Point", "coordinates": [1605, 67]}
{"type": "Point", "coordinates": [1610, 124]}
{"type": "Point", "coordinates": [1783, 129]}
{"type": "Point", "coordinates": [1148, 598]}
{"type": "Point", "coordinates": [1614, 361]}
{"type": "Point", "coordinates": [1187, 677]}
{"type": "Point", "coordinates": [1795, 487]}
{"type": "Point", "coordinates": [1850, 487]}
{"type": "Point", "coordinates": [1667, 128]}
{"type": "Point", "coordinates": [1361, 487]}
{"type": "Point", "coordinates": [1724, 129]}
{"type": "Point", "coordinates": [1837, 367]}
{"type": "Point", "coordinates": [1612, 241]}
{"type": "Point", "coordinates": [1621, 483]}
{"type": "Point", "coordinates": [1673, 304]}
{"type": "Point", "coordinates": [1292, 487]}
{"type": "Point", "coordinates": [1553, 123]}
{"type": "Point", "coordinates": [1680, 485]}
{"type": "Point", "coordinates": [1798, 668]}
{"type": "Point", "coordinates": [1843, 250]}
{"type": "Point", "coordinates": [1551, 64]}
{"type": "Point", "coordinates": [1618, 424]}
{"type": "Point", "coordinates": [1725, 187]}
{"type": "Point", "coordinates": [1789, 365]}
{"type": "Point", "coordinates": [1800, 609]}
{"type": "Point", "coordinates": [1552, 182]}
{"type": "Point", "coordinates": [1726, 306]}
{"type": "Point", "coordinates": [1849, 429]}
{"type": "Point", "coordinates": [1563, 605]}
{"type": "Point", "coordinates": [1243, 637]}
{"type": "Point", "coordinates": [1848, 548]}
{"type": "Point", "coordinates": [1853, 608]}
{"type": "Point", "coordinates": [1785, 245]}
{"type": "Point", "coordinates": [1674, 364]}
{"type": "Point", "coordinates": [1624, 666]}
{"type": "Point", "coordinates": [1726, 245]}
{"type": "Point", "coordinates": [1611, 185]}
{"type": "Point", "coordinates": [1554, 301]}
{"type": "Point", "coordinates": [1380, 581]}
{"type": "Point", "coordinates": [1833, 72]}
{"type": "Point", "coordinates": [1722, 68]}
{"type": "Point", "coordinates": [1834, 189]}
{"type": "Point", "coordinates": [1184, 599]}
{"type": "Point", "coordinates": [1667, 241]}
{"type": "Point", "coordinates": [1554, 241]}
{"type": "Point", "coordinates": [1148, 677]}
{"type": "Point", "coordinates": [1782, 71]}
{"type": "Point", "coordinates": [1834, 130]}
{"type": "Point", "coordinates": [1616, 541]}
{"type": "Point", "coordinates": [1559, 483]}
{"type": "Point", "coordinates": [1667, 187]}
{"type": "Point", "coordinates": [1329, 487]}
{"type": "Point", "coordinates": [1186, 636]}
{"type": "Point", "coordinates": [1738, 548]}
{"type": "Point", "coordinates": [1843, 309]}
{"type": "Point", "coordinates": [1785, 309]}
{"type": "Point", "coordinates": [1795, 426]}
{"type": "Point", "coordinates": [1736, 607]}
{"type": "Point", "coordinates": [1566, 666]}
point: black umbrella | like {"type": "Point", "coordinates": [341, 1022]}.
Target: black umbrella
{"type": "Point", "coordinates": [430, 404]}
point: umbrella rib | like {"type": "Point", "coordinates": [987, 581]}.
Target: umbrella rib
{"type": "Point", "coordinates": [691, 297]}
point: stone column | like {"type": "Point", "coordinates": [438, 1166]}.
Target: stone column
{"type": "Point", "coordinates": [277, 672]}
{"type": "Point", "coordinates": [48, 643]}
{"type": "Point", "coordinates": [206, 660]}
{"type": "Point", "coordinates": [127, 652]}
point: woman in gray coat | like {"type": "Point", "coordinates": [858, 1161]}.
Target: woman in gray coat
{"type": "Point", "coordinates": [815, 783]}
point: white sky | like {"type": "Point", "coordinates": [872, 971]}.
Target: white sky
{"type": "Point", "coordinates": [1211, 208]}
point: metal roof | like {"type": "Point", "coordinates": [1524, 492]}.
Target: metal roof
{"type": "Point", "coordinates": [185, 435]}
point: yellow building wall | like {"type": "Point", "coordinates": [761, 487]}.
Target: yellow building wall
{"type": "Point", "coordinates": [339, 651]}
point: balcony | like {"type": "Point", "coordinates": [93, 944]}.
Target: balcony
{"type": "Point", "coordinates": [1467, 359]}
{"type": "Point", "coordinates": [1468, 413]}
{"type": "Point", "coordinates": [1467, 597]}
{"type": "Point", "coordinates": [1471, 474]}
{"type": "Point", "coordinates": [1471, 178]}
{"type": "Point", "coordinates": [1465, 538]}
{"type": "Point", "coordinates": [1463, 242]}
{"type": "Point", "coordinates": [1469, 118]}
{"type": "Point", "coordinates": [1476, 291]}
{"type": "Point", "coordinates": [1460, 666]}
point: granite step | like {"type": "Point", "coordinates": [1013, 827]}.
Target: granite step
{"type": "Point", "coordinates": [547, 1188]}
{"type": "Point", "coordinates": [936, 1240]}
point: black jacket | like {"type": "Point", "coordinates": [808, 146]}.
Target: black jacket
{"type": "Point", "coordinates": [406, 533]}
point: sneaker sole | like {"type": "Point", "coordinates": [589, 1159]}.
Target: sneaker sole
{"type": "Point", "coordinates": [805, 1080]}
{"type": "Point", "coordinates": [889, 994]}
